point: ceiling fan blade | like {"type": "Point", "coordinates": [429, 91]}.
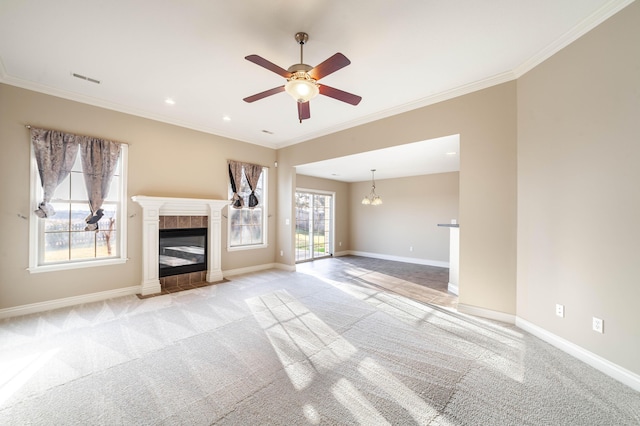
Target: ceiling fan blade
{"type": "Point", "coordinates": [329, 66]}
{"type": "Point", "coordinates": [340, 95]}
{"type": "Point", "coordinates": [258, 60]}
{"type": "Point", "coordinates": [303, 111]}
{"type": "Point", "coordinates": [264, 94]}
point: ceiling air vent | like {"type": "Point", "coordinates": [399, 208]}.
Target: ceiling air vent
{"type": "Point", "coordinates": [83, 77]}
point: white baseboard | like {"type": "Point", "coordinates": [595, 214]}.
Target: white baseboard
{"type": "Point", "coordinates": [453, 288]}
{"type": "Point", "coordinates": [486, 313]}
{"type": "Point", "coordinates": [285, 267]}
{"type": "Point", "coordinates": [257, 268]}
{"type": "Point", "coordinates": [33, 308]}
{"type": "Point", "coordinates": [341, 253]}
{"type": "Point", "coordinates": [414, 260]}
{"type": "Point", "coordinates": [621, 374]}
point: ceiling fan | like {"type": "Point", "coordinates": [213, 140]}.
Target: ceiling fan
{"type": "Point", "coordinates": [302, 80]}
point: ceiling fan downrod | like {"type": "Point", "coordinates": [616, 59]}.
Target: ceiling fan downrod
{"type": "Point", "coordinates": [301, 38]}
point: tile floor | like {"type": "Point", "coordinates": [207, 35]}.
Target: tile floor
{"type": "Point", "coordinates": [419, 282]}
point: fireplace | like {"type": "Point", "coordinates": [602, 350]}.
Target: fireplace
{"type": "Point", "coordinates": [182, 251]}
{"type": "Point", "coordinates": [153, 208]}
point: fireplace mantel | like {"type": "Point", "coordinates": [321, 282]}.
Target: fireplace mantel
{"type": "Point", "coordinates": [152, 209]}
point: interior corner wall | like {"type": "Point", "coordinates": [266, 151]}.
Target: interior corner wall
{"type": "Point", "coordinates": [486, 123]}
{"type": "Point", "coordinates": [578, 191]}
{"type": "Point", "coordinates": [405, 227]}
{"type": "Point", "coordinates": [164, 160]}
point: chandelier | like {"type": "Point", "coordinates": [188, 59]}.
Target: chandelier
{"type": "Point", "coordinates": [373, 198]}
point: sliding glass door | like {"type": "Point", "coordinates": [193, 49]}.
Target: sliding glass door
{"type": "Point", "coordinates": [314, 225]}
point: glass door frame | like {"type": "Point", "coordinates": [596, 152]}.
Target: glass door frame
{"type": "Point", "coordinates": [331, 245]}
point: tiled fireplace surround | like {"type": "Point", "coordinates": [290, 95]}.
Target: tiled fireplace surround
{"type": "Point", "coordinates": [178, 282]}
{"type": "Point", "coordinates": [167, 213]}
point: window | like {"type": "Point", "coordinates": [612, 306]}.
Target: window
{"type": "Point", "coordinates": [247, 227]}
{"type": "Point", "coordinates": [61, 241]}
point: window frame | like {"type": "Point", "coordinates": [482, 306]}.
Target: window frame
{"type": "Point", "coordinates": [265, 214]}
{"type": "Point", "coordinates": [36, 225]}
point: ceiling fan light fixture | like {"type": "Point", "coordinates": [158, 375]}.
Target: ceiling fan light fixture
{"type": "Point", "coordinates": [302, 80]}
{"type": "Point", "coordinates": [301, 87]}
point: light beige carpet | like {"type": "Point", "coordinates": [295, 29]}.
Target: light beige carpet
{"type": "Point", "coordinates": [292, 348]}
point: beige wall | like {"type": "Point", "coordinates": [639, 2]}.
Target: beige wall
{"type": "Point", "coordinates": [413, 206]}
{"type": "Point", "coordinates": [486, 123]}
{"type": "Point", "coordinates": [164, 160]}
{"type": "Point", "coordinates": [341, 208]}
{"type": "Point", "coordinates": [578, 190]}
{"type": "Point", "coordinates": [411, 210]}
{"type": "Point", "coordinates": [575, 118]}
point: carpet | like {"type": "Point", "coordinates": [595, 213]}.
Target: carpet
{"type": "Point", "coordinates": [289, 348]}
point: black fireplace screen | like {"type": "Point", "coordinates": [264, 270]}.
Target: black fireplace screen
{"type": "Point", "coordinates": [183, 251]}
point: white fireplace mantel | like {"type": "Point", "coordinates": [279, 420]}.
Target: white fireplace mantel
{"type": "Point", "coordinates": [152, 209]}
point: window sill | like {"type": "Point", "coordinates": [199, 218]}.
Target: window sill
{"type": "Point", "coordinates": [251, 247]}
{"type": "Point", "coordinates": [76, 265]}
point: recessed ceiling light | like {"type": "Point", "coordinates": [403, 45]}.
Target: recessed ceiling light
{"type": "Point", "coordinates": [169, 101]}
{"type": "Point", "coordinates": [451, 153]}
{"type": "Point", "coordinates": [226, 118]}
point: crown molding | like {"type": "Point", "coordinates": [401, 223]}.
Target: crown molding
{"type": "Point", "coordinates": [596, 18]}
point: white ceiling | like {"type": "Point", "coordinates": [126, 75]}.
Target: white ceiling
{"type": "Point", "coordinates": [439, 155]}
{"type": "Point", "coordinates": [404, 55]}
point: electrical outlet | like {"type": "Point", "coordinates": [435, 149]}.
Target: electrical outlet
{"type": "Point", "coordinates": [281, 252]}
{"type": "Point", "coordinates": [411, 248]}
{"type": "Point", "coordinates": [560, 310]}
{"type": "Point", "coordinates": [598, 325]}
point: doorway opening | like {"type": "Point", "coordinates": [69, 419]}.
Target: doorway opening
{"type": "Point", "coordinates": [314, 225]}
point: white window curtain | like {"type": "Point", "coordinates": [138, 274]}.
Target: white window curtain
{"type": "Point", "coordinates": [99, 160]}
{"type": "Point", "coordinates": [55, 154]}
